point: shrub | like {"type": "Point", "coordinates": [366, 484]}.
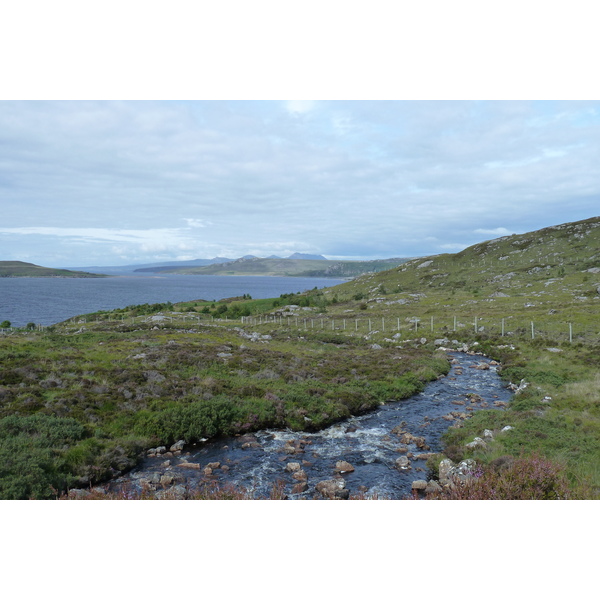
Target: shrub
{"type": "Point", "coordinates": [31, 449]}
{"type": "Point", "coordinates": [524, 478]}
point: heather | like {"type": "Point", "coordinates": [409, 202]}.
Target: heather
{"type": "Point", "coordinates": [146, 375]}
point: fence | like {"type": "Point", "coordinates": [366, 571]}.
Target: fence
{"type": "Point", "coordinates": [380, 327]}
{"type": "Point", "coordinates": [441, 326]}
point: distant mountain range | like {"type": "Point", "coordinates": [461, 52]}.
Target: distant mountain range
{"type": "Point", "coordinates": [199, 262]}
{"type": "Point", "coordinates": [297, 265]}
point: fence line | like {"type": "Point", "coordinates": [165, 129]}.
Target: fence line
{"type": "Point", "coordinates": [436, 325]}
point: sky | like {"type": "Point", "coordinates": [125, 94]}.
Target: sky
{"type": "Point", "coordinates": [106, 182]}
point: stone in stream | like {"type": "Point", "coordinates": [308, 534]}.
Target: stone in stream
{"type": "Point", "coordinates": [419, 484]}
{"type": "Point", "coordinates": [341, 466]}
{"type": "Point", "coordinates": [333, 489]}
{"type": "Point", "coordinates": [292, 467]}
{"type": "Point", "coordinates": [402, 463]}
{"type": "Point", "coordinates": [188, 465]}
{"type": "Point", "coordinates": [300, 475]}
{"type": "Point", "coordinates": [177, 446]}
{"type": "Point", "coordinates": [300, 487]}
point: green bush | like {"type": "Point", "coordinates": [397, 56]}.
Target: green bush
{"type": "Point", "coordinates": [190, 422]}
{"type": "Point", "coordinates": [31, 455]}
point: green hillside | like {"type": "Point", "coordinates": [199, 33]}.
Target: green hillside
{"type": "Point", "coordinates": [288, 267]}
{"type": "Point", "coordinates": [16, 268]}
{"type": "Point", "coordinates": [83, 400]}
{"type": "Point", "coordinates": [554, 267]}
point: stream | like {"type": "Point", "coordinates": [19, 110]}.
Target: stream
{"type": "Point", "coordinates": [370, 443]}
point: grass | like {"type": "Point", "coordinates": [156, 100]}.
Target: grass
{"type": "Point", "coordinates": [132, 383]}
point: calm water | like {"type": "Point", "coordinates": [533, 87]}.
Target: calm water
{"type": "Point", "coordinates": [46, 301]}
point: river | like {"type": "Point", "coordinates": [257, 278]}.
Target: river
{"type": "Point", "coordinates": [371, 443]}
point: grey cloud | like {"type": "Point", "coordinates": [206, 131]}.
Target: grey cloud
{"type": "Point", "coordinates": [340, 178]}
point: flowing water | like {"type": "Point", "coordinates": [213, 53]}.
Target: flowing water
{"type": "Point", "coordinates": [371, 443]}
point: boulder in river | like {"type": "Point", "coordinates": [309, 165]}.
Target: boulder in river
{"type": "Point", "coordinates": [300, 475]}
{"type": "Point", "coordinates": [177, 446]}
{"type": "Point", "coordinates": [402, 463]}
{"type": "Point", "coordinates": [333, 489]}
{"type": "Point", "coordinates": [300, 487]}
{"type": "Point", "coordinates": [341, 466]}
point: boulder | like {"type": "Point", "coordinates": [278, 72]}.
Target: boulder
{"type": "Point", "coordinates": [433, 487]}
{"type": "Point", "coordinates": [341, 466]}
{"type": "Point", "coordinates": [299, 488]}
{"type": "Point", "coordinates": [300, 475]}
{"type": "Point", "coordinates": [177, 446]}
{"type": "Point", "coordinates": [476, 443]}
{"type": "Point", "coordinates": [419, 484]}
{"type": "Point", "coordinates": [333, 489]}
{"type": "Point", "coordinates": [167, 479]}
{"type": "Point", "coordinates": [445, 469]}
{"type": "Point", "coordinates": [292, 467]}
{"type": "Point", "coordinates": [187, 465]}
{"type": "Point", "coordinates": [214, 465]}
{"type": "Point", "coordinates": [402, 463]}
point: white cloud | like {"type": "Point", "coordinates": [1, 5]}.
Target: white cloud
{"type": "Point", "coordinates": [299, 106]}
{"type": "Point", "coordinates": [361, 179]}
{"type": "Point", "coordinates": [197, 223]}
{"type": "Point", "coordinates": [497, 232]}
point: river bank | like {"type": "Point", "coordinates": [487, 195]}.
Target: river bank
{"type": "Point", "coordinates": [377, 455]}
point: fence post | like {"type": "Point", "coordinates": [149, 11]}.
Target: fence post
{"type": "Point", "coordinates": [398, 323]}
{"type": "Point", "coordinates": [502, 327]}
{"type": "Point", "coordinates": [382, 323]}
{"type": "Point", "coordinates": [432, 324]}
{"type": "Point", "coordinates": [571, 332]}
{"type": "Point", "coordinates": [475, 324]}
{"type": "Point", "coordinates": [532, 332]}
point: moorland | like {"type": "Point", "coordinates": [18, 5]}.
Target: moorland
{"type": "Point", "coordinates": [82, 401]}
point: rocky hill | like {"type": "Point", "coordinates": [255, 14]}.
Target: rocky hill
{"type": "Point", "coordinates": [560, 262]}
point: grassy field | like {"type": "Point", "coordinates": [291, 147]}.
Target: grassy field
{"type": "Point", "coordinates": [80, 401]}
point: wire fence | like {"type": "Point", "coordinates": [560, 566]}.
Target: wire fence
{"type": "Point", "coordinates": [442, 326]}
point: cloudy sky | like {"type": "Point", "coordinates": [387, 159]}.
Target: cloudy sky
{"type": "Point", "coordinates": [119, 182]}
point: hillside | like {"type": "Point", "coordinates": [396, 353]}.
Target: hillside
{"type": "Point", "coordinates": [285, 267]}
{"type": "Point", "coordinates": [553, 266]}
{"type": "Point", "coordinates": [85, 400]}
{"type": "Point", "coordinates": [16, 268]}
